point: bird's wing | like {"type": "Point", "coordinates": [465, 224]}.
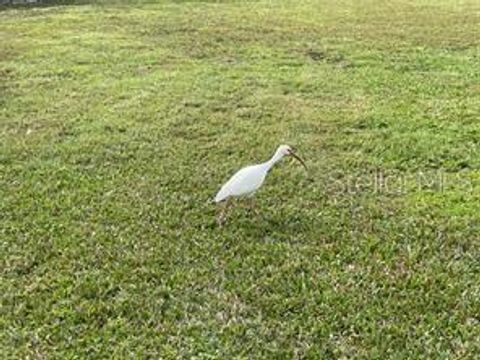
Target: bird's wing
{"type": "Point", "coordinates": [242, 182]}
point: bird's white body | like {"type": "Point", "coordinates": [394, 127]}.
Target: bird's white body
{"type": "Point", "coordinates": [249, 179]}
{"type": "Point", "coordinates": [244, 182]}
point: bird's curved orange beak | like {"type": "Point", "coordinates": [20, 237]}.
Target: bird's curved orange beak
{"type": "Point", "coordinates": [299, 159]}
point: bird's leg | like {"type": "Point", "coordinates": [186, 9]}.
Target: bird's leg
{"type": "Point", "coordinates": [222, 216]}
{"type": "Point", "coordinates": [252, 205]}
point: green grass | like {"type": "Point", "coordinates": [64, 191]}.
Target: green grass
{"type": "Point", "coordinates": [119, 123]}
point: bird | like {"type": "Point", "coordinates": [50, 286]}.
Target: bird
{"type": "Point", "coordinates": [246, 181]}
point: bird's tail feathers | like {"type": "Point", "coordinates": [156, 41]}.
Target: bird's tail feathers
{"type": "Point", "coordinates": [220, 196]}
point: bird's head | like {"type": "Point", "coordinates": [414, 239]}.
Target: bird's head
{"type": "Point", "coordinates": [286, 150]}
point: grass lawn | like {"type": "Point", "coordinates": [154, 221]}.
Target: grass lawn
{"type": "Point", "coordinates": [118, 124]}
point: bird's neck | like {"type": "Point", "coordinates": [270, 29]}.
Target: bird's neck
{"type": "Point", "coordinates": [274, 159]}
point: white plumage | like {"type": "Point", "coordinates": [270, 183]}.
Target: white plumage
{"type": "Point", "coordinates": [249, 179]}
{"type": "Point", "coordinates": [244, 182]}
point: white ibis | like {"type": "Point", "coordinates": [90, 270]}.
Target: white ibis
{"type": "Point", "coordinates": [250, 178]}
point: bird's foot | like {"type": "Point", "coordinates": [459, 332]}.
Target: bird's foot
{"type": "Point", "coordinates": [221, 220]}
